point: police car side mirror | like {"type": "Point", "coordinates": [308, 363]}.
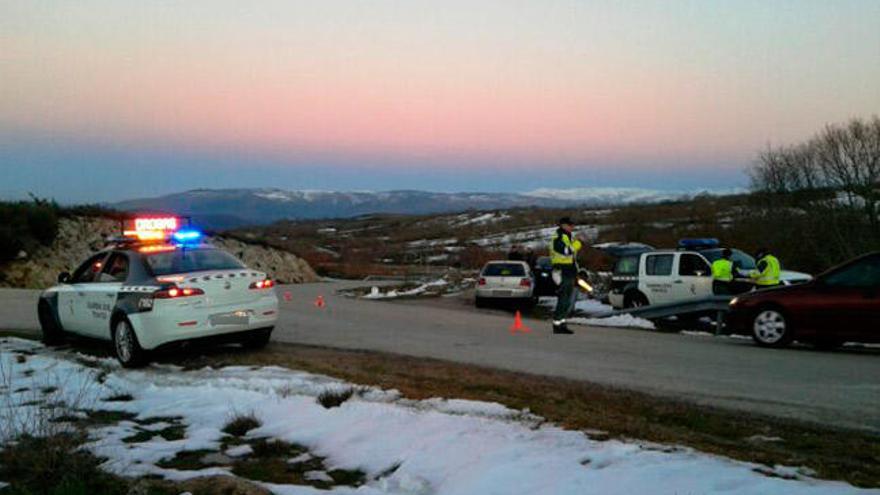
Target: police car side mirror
{"type": "Point", "coordinates": [63, 277]}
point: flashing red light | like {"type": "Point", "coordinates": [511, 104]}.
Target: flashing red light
{"type": "Point", "coordinates": [177, 292]}
{"type": "Point", "coordinates": [263, 284]}
{"type": "Point", "coordinates": [162, 224]}
{"type": "Point", "coordinates": [152, 228]}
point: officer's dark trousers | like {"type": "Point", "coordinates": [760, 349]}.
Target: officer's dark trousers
{"type": "Point", "coordinates": [721, 288]}
{"type": "Point", "coordinates": [566, 295]}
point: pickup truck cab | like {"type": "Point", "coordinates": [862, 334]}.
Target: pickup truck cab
{"type": "Point", "coordinates": [670, 276]}
{"type": "Point", "coordinates": [660, 277]}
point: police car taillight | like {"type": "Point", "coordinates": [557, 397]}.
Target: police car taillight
{"type": "Point", "coordinates": [526, 282]}
{"type": "Point", "coordinates": [263, 284]}
{"type": "Point", "coordinates": [177, 292]}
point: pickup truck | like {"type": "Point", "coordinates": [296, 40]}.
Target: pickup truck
{"type": "Point", "coordinates": [669, 276]}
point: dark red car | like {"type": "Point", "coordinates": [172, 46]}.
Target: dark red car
{"type": "Point", "coordinates": [840, 305]}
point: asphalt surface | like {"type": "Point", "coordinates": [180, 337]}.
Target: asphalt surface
{"type": "Point", "coordinates": [833, 388]}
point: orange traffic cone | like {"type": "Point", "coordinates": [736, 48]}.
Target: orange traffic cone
{"type": "Point", "coordinates": [319, 302]}
{"type": "Point", "coordinates": [518, 324]}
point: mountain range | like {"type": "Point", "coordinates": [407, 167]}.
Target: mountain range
{"type": "Point", "coordinates": [227, 208]}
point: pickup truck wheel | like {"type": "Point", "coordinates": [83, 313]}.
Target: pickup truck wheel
{"type": "Point", "coordinates": [126, 346]}
{"type": "Point", "coordinates": [634, 300]}
{"type": "Point", "coordinates": [52, 332]}
{"type": "Point", "coordinates": [770, 328]}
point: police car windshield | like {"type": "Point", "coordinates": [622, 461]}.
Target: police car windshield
{"type": "Point", "coordinates": [190, 260]}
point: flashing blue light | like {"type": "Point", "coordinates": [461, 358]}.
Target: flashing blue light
{"type": "Point", "coordinates": [699, 243]}
{"type": "Point", "coordinates": [184, 236]}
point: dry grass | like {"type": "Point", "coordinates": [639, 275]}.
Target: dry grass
{"type": "Point", "coordinates": [833, 453]}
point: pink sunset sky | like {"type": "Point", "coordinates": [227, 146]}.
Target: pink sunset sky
{"type": "Point", "coordinates": [155, 97]}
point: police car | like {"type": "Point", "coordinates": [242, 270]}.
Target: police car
{"type": "Point", "coordinates": [157, 286]}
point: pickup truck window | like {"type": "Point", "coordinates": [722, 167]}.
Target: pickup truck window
{"type": "Point", "coordinates": [691, 265]}
{"type": "Point", "coordinates": [658, 264]}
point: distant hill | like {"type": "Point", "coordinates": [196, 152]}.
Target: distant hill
{"type": "Point", "coordinates": [229, 208]}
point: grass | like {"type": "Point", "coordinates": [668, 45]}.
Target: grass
{"type": "Point", "coordinates": [240, 424]}
{"type": "Point", "coordinates": [603, 412]}
{"type": "Point", "coordinates": [55, 465]}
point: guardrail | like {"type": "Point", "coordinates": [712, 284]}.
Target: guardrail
{"type": "Point", "coordinates": [719, 305]}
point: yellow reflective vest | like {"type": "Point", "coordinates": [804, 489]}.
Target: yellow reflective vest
{"type": "Point", "coordinates": [722, 270]}
{"type": "Point", "coordinates": [768, 271]}
{"type": "Point", "coordinates": [564, 249]}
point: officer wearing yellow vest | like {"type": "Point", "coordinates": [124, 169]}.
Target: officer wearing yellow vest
{"type": "Point", "coordinates": [767, 273]}
{"type": "Point", "coordinates": [564, 249]}
{"type": "Point", "coordinates": [722, 274]}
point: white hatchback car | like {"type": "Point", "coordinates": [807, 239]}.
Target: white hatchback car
{"type": "Point", "coordinates": [505, 280]}
{"type": "Point", "coordinates": [143, 297]}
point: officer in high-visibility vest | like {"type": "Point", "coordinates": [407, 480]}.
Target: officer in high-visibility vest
{"type": "Point", "coordinates": [767, 273]}
{"type": "Point", "coordinates": [564, 249]}
{"type": "Point", "coordinates": [722, 273]}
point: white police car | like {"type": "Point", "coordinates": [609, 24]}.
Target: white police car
{"type": "Point", "coordinates": [156, 287]}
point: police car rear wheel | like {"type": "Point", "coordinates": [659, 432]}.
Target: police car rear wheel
{"type": "Point", "coordinates": [125, 344]}
{"type": "Point", "coordinates": [770, 328]}
{"type": "Point", "coordinates": [52, 332]}
{"type": "Point", "coordinates": [258, 339]}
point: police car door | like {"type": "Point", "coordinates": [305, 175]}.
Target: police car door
{"type": "Point", "coordinates": [694, 280]}
{"type": "Point", "coordinates": [100, 295]}
{"type": "Point", "coordinates": [72, 297]}
{"type": "Point", "coordinates": [655, 281]}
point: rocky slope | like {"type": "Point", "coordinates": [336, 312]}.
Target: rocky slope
{"type": "Point", "coordinates": [78, 237]}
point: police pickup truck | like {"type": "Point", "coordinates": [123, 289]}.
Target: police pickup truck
{"type": "Point", "coordinates": [158, 286]}
{"type": "Point", "coordinates": [650, 277]}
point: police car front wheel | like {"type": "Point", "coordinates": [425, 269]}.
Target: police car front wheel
{"type": "Point", "coordinates": [126, 346]}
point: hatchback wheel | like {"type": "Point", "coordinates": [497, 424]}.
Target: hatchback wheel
{"type": "Point", "coordinates": [770, 328]}
{"type": "Point", "coordinates": [126, 346]}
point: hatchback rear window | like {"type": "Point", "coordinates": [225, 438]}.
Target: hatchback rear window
{"type": "Point", "coordinates": [504, 270]}
{"type": "Point", "coordinates": [190, 260]}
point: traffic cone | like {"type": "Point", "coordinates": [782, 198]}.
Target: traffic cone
{"type": "Point", "coordinates": [288, 296]}
{"type": "Point", "coordinates": [319, 302]}
{"type": "Point", "coordinates": [518, 324]}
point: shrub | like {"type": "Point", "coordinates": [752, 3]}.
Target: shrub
{"type": "Point", "coordinates": [335, 398]}
{"type": "Point", "coordinates": [240, 424]}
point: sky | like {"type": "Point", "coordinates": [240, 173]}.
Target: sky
{"type": "Point", "coordinates": [102, 100]}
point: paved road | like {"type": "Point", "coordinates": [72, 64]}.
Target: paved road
{"type": "Point", "coordinates": [840, 388]}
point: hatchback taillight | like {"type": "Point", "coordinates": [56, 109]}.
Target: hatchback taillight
{"type": "Point", "coordinates": [526, 282]}
{"type": "Point", "coordinates": [177, 292]}
{"type": "Point", "coordinates": [263, 284]}
{"type": "Point", "coordinates": [482, 281]}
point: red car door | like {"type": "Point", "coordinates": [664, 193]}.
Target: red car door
{"type": "Point", "coordinates": [845, 304]}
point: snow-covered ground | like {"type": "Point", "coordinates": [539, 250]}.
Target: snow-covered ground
{"type": "Point", "coordinates": [592, 306]}
{"type": "Point", "coordinates": [436, 446]}
{"type": "Point", "coordinates": [376, 292]}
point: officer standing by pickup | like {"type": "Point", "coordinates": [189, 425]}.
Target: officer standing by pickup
{"type": "Point", "coordinates": [722, 274]}
{"type": "Point", "coordinates": [768, 269]}
{"type": "Point", "coordinates": [564, 249]}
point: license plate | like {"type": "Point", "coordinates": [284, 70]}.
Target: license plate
{"type": "Point", "coordinates": [502, 293]}
{"type": "Point", "coordinates": [234, 318]}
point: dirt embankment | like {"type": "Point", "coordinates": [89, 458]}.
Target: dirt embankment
{"type": "Point", "coordinates": [78, 237]}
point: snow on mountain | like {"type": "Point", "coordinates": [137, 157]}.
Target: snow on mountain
{"type": "Point", "coordinates": [621, 195]}
{"type": "Point", "coordinates": [224, 208]}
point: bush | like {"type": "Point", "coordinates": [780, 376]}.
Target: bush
{"type": "Point", "coordinates": [240, 424]}
{"type": "Point", "coordinates": [25, 225]}
{"type": "Point", "coordinates": [335, 398]}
